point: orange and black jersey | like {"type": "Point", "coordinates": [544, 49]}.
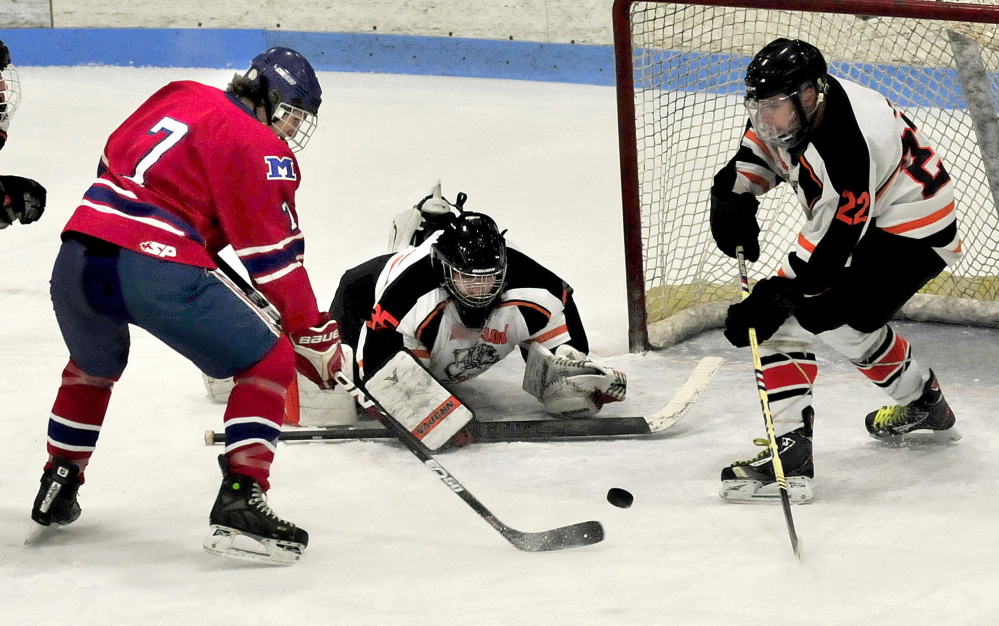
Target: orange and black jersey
{"type": "Point", "coordinates": [397, 301]}
{"type": "Point", "coordinates": [866, 165]}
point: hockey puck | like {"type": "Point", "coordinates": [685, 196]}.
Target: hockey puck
{"type": "Point", "coordinates": [620, 498]}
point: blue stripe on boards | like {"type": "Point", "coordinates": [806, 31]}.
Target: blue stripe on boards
{"type": "Point", "coordinates": [436, 56]}
{"type": "Point", "coordinates": [334, 52]}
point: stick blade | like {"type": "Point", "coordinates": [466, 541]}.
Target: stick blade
{"type": "Point", "coordinates": [686, 395]}
{"type": "Point", "coordinates": [564, 538]}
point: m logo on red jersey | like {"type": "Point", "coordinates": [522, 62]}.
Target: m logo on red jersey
{"type": "Point", "coordinates": [280, 168]}
{"type": "Point", "coordinates": [381, 319]}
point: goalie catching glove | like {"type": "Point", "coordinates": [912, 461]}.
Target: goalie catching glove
{"type": "Point", "coordinates": [318, 353]}
{"type": "Point", "coordinates": [568, 383]}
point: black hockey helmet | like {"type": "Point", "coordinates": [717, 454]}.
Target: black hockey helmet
{"type": "Point", "coordinates": [284, 82]}
{"type": "Point", "coordinates": [780, 72]}
{"type": "Point", "coordinates": [471, 253]}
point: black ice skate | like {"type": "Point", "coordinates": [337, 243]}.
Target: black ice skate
{"type": "Point", "coordinates": [241, 516]}
{"type": "Point", "coordinates": [754, 480]}
{"type": "Point", "coordinates": [928, 419]}
{"type": "Point", "coordinates": [56, 500]}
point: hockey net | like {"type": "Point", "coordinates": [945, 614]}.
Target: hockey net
{"type": "Point", "coordinates": [680, 71]}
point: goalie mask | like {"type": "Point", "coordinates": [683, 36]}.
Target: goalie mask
{"type": "Point", "coordinates": [471, 254]}
{"type": "Point", "coordinates": [285, 83]}
{"type": "Point", "coordinates": [786, 83]}
{"type": "Point", "coordinates": [10, 92]}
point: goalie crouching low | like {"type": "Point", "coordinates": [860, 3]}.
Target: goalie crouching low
{"type": "Point", "coordinates": [456, 297]}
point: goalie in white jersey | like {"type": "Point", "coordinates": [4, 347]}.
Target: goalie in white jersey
{"type": "Point", "coordinates": [879, 224]}
{"type": "Point", "coordinates": [458, 298]}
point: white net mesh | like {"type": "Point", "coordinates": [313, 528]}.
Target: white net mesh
{"type": "Point", "coordinates": [689, 64]}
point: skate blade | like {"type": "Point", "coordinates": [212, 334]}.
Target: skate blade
{"type": "Point", "coordinates": [233, 544]}
{"type": "Point", "coordinates": [922, 438]}
{"type": "Point", "coordinates": [37, 534]}
{"type": "Point", "coordinates": [748, 491]}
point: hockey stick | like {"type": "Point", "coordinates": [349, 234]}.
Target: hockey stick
{"type": "Point", "coordinates": [767, 416]}
{"type": "Point", "coordinates": [573, 536]}
{"type": "Point", "coordinates": [545, 429]}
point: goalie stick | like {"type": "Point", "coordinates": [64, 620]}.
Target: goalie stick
{"type": "Point", "coordinates": [541, 430]}
{"type": "Point", "coordinates": [572, 536]}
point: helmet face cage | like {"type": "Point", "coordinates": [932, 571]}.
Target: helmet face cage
{"type": "Point", "coordinates": [10, 95]}
{"type": "Point", "coordinates": [476, 289]}
{"type": "Point", "coordinates": [288, 88]}
{"type": "Point", "coordinates": [294, 125]}
{"type": "Point", "coordinates": [777, 119]}
{"type": "Point", "coordinates": [472, 255]}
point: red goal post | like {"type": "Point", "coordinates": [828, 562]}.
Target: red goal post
{"type": "Point", "coordinates": [680, 69]}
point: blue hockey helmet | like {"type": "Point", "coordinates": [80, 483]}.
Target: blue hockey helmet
{"type": "Point", "coordinates": [285, 83]}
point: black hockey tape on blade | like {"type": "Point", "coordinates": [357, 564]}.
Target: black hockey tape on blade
{"type": "Point", "coordinates": [620, 498]}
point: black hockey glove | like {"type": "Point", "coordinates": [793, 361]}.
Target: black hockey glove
{"type": "Point", "coordinates": [733, 222]}
{"type": "Point", "coordinates": [818, 314]}
{"type": "Point", "coordinates": [767, 307]}
{"type": "Point", "coordinates": [23, 200]}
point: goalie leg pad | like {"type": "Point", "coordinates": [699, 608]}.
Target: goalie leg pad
{"type": "Point", "coordinates": [410, 394]}
{"type": "Point", "coordinates": [321, 408]}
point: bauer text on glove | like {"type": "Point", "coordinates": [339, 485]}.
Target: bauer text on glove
{"type": "Point", "coordinates": [318, 354]}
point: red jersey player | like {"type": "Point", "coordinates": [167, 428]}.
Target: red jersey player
{"type": "Point", "coordinates": [193, 170]}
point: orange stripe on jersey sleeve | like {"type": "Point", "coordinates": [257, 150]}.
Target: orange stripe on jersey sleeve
{"type": "Point", "coordinates": [530, 305]}
{"type": "Point", "coordinates": [808, 168]}
{"type": "Point", "coordinates": [806, 244]}
{"type": "Point", "coordinates": [426, 321]}
{"type": "Point", "coordinates": [555, 332]}
{"type": "Point", "coordinates": [751, 135]}
{"type": "Point", "coordinates": [757, 180]}
{"type": "Point", "coordinates": [421, 354]}
{"type": "Point", "coordinates": [923, 221]}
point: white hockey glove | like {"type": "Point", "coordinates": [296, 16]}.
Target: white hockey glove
{"type": "Point", "coordinates": [318, 354]}
{"type": "Point", "coordinates": [410, 394]}
{"type": "Point", "coordinates": [569, 384]}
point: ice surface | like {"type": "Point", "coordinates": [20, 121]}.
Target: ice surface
{"type": "Point", "coordinates": [895, 536]}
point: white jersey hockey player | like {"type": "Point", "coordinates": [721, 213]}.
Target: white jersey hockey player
{"type": "Point", "coordinates": [879, 224]}
{"type": "Point", "coordinates": [461, 301]}
{"type": "Point", "coordinates": [21, 199]}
